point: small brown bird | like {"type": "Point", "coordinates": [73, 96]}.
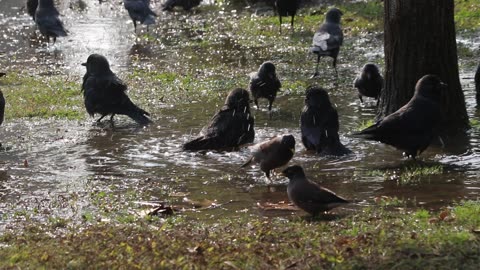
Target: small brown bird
{"type": "Point", "coordinates": [307, 195]}
{"type": "Point", "coordinates": [273, 153]}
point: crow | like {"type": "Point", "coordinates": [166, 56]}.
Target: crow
{"type": "Point", "coordinates": [307, 195]}
{"type": "Point", "coordinates": [185, 4]}
{"type": "Point", "coordinates": [328, 38]}
{"type": "Point", "coordinates": [319, 124]}
{"type": "Point", "coordinates": [412, 127]}
{"type": "Point", "coordinates": [265, 84]}
{"type": "Point", "coordinates": [104, 93]}
{"type": "Point", "coordinates": [273, 153]}
{"type": "Point", "coordinates": [32, 7]}
{"type": "Point", "coordinates": [287, 8]}
{"type": "Point", "coordinates": [139, 10]}
{"type": "Point", "coordinates": [2, 101]}
{"type": "Point", "coordinates": [369, 82]}
{"type": "Point", "coordinates": [46, 17]}
{"type": "Point", "coordinates": [230, 128]}
{"type": "Point", "coordinates": [477, 85]}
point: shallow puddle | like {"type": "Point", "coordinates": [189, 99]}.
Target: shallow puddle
{"type": "Point", "coordinates": [54, 166]}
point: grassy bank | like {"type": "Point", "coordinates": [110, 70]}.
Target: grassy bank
{"type": "Point", "coordinates": [383, 236]}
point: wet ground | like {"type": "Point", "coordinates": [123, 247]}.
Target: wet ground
{"type": "Point", "coordinates": [63, 168]}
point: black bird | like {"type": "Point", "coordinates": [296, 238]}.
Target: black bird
{"type": "Point", "coordinates": [273, 153]}
{"type": "Point", "coordinates": [265, 84]}
{"type": "Point", "coordinates": [319, 124]}
{"type": "Point", "coordinates": [139, 11]}
{"type": "Point", "coordinates": [46, 17]}
{"type": "Point", "coordinates": [32, 7]}
{"type": "Point", "coordinates": [412, 127]}
{"type": "Point", "coordinates": [477, 85]}
{"type": "Point", "coordinates": [104, 93]}
{"type": "Point", "coordinates": [230, 128]}
{"type": "Point", "coordinates": [328, 38]}
{"type": "Point", "coordinates": [287, 8]}
{"type": "Point", "coordinates": [2, 101]}
{"type": "Point", "coordinates": [185, 4]}
{"type": "Point", "coordinates": [369, 82]}
{"type": "Point", "coordinates": [307, 195]}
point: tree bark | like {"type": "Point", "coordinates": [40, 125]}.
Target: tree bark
{"type": "Point", "coordinates": [420, 40]}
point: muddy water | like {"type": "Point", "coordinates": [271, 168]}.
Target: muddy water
{"type": "Point", "coordinates": [54, 166]}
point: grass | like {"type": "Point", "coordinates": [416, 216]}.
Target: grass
{"type": "Point", "coordinates": [377, 237]}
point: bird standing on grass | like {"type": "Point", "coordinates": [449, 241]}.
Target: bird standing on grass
{"type": "Point", "coordinates": [272, 154]}
{"type": "Point", "coordinates": [369, 82]}
{"type": "Point", "coordinates": [230, 128]}
{"type": "Point", "coordinates": [104, 93]}
{"type": "Point", "coordinates": [2, 101]}
{"type": "Point", "coordinates": [328, 38]}
{"type": "Point", "coordinates": [46, 17]}
{"type": "Point", "coordinates": [185, 4]}
{"type": "Point", "coordinates": [139, 11]}
{"type": "Point", "coordinates": [477, 85]}
{"type": "Point", "coordinates": [265, 84]}
{"type": "Point", "coordinates": [287, 8]}
{"type": "Point", "coordinates": [307, 195]}
{"type": "Point", "coordinates": [319, 124]}
{"type": "Point", "coordinates": [412, 127]}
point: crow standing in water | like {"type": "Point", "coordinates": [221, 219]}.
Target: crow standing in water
{"type": "Point", "coordinates": [139, 11]}
{"type": "Point", "coordinates": [287, 8]}
{"type": "Point", "coordinates": [308, 195]}
{"type": "Point", "coordinates": [265, 84]}
{"type": "Point", "coordinates": [477, 85]}
{"type": "Point", "coordinates": [272, 154]}
{"type": "Point", "coordinates": [185, 4]}
{"type": "Point", "coordinates": [369, 83]}
{"type": "Point", "coordinates": [46, 17]}
{"type": "Point", "coordinates": [231, 127]}
{"type": "Point", "coordinates": [32, 7]}
{"type": "Point", "coordinates": [319, 124]}
{"type": "Point", "coordinates": [412, 127]}
{"type": "Point", "coordinates": [104, 93]}
{"type": "Point", "coordinates": [328, 38]}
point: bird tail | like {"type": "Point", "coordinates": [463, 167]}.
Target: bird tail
{"type": "Point", "coordinates": [247, 163]}
{"type": "Point", "coordinates": [150, 19]}
{"type": "Point", "coordinates": [200, 143]}
{"type": "Point", "coordinates": [368, 133]}
{"type": "Point", "coordinates": [139, 115]}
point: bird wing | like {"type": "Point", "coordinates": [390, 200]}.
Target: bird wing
{"type": "Point", "coordinates": [50, 25]}
{"type": "Point", "coordinates": [315, 194]}
{"type": "Point", "coordinates": [328, 37]}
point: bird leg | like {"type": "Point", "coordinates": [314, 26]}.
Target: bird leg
{"type": "Point", "coordinates": [280, 17]}
{"type": "Point", "coordinates": [335, 66]}
{"type": "Point", "coordinates": [316, 68]}
{"type": "Point", "coordinates": [360, 97]}
{"type": "Point", "coordinates": [100, 119]}
{"type": "Point", "coordinates": [293, 17]}
{"type": "Point", "coordinates": [111, 117]}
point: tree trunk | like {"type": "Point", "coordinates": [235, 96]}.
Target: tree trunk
{"type": "Point", "coordinates": [419, 40]}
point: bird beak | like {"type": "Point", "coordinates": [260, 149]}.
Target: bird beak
{"type": "Point", "coordinates": [84, 64]}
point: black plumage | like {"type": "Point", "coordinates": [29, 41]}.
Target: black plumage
{"type": "Point", "coordinates": [139, 11]}
{"type": "Point", "coordinates": [412, 127]}
{"type": "Point", "coordinates": [272, 154]}
{"type": "Point", "coordinates": [46, 18]}
{"type": "Point", "coordinates": [230, 128]}
{"type": "Point", "coordinates": [32, 7]}
{"type": "Point", "coordinates": [328, 38]}
{"type": "Point", "coordinates": [265, 84]}
{"type": "Point", "coordinates": [477, 85]}
{"type": "Point", "coordinates": [2, 102]}
{"type": "Point", "coordinates": [369, 82]}
{"type": "Point", "coordinates": [185, 4]}
{"type": "Point", "coordinates": [319, 124]}
{"type": "Point", "coordinates": [287, 8]}
{"type": "Point", "coordinates": [308, 195]}
{"type": "Point", "coordinates": [104, 93]}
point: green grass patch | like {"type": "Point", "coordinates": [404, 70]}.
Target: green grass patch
{"type": "Point", "coordinates": [373, 238]}
{"type": "Point", "coordinates": [467, 15]}
{"type": "Point", "coordinates": [42, 96]}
